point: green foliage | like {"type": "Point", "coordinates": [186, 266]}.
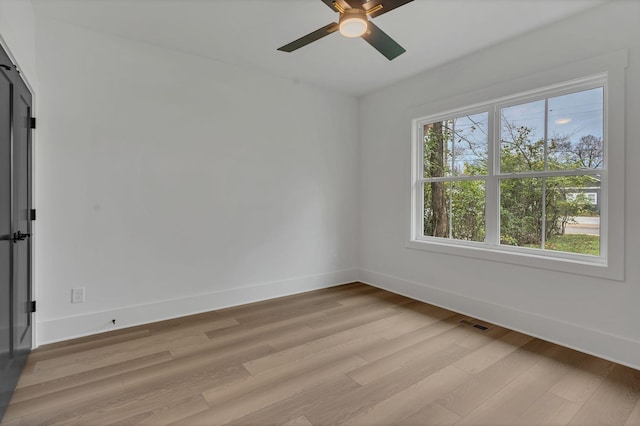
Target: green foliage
{"type": "Point", "coordinates": [520, 211]}
{"type": "Point", "coordinates": [468, 220]}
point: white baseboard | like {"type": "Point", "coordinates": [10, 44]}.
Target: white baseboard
{"type": "Point", "coordinates": [60, 329]}
{"type": "Point", "coordinates": [594, 342]}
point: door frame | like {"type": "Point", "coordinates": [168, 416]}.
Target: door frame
{"type": "Point", "coordinates": [32, 195]}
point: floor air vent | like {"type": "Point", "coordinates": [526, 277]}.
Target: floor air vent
{"type": "Point", "coordinates": [474, 325]}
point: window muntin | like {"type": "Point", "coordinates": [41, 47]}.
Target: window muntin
{"type": "Point", "coordinates": [545, 182]}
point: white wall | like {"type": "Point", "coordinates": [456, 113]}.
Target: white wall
{"type": "Point", "coordinates": [17, 30]}
{"type": "Point", "coordinates": [594, 315]}
{"type": "Point", "coordinates": [170, 184]}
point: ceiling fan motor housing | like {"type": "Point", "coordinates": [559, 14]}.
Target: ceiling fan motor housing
{"type": "Point", "coordinates": [353, 22]}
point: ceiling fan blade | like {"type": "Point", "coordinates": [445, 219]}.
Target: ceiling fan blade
{"type": "Point", "coordinates": [344, 4]}
{"type": "Point", "coordinates": [387, 5]}
{"type": "Point", "coordinates": [310, 38]}
{"type": "Point", "coordinates": [382, 42]}
{"type": "Point", "coordinates": [354, 3]}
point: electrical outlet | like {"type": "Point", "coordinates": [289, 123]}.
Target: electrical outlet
{"type": "Point", "coordinates": [77, 295]}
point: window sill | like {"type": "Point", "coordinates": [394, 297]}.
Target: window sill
{"type": "Point", "coordinates": [573, 264]}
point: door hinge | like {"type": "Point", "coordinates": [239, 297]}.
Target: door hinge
{"type": "Point", "coordinates": [32, 123]}
{"type": "Point", "coordinates": [33, 306]}
{"type": "Point", "coordinates": [32, 215]}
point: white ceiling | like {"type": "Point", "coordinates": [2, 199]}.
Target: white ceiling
{"type": "Point", "coordinates": [248, 32]}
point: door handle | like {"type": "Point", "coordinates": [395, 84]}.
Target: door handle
{"type": "Point", "coordinates": [19, 236]}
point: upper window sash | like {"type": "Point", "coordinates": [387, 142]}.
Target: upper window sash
{"type": "Point", "coordinates": [494, 107]}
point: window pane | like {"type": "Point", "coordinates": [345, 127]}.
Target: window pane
{"type": "Point", "coordinates": [455, 210]}
{"type": "Point", "coordinates": [575, 130]}
{"type": "Point", "coordinates": [521, 212]}
{"type": "Point", "coordinates": [456, 147]}
{"type": "Point", "coordinates": [438, 141]}
{"type": "Point", "coordinates": [573, 214]}
{"type": "Point", "coordinates": [467, 210]}
{"type": "Point", "coordinates": [470, 139]}
{"type": "Point", "coordinates": [436, 209]}
{"type": "Point", "coordinates": [522, 137]}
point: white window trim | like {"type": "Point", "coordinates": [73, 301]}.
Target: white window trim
{"type": "Point", "coordinates": [606, 71]}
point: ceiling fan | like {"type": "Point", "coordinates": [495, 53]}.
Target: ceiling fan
{"type": "Point", "coordinates": [354, 22]}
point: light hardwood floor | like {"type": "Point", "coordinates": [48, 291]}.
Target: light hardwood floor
{"type": "Point", "coordinates": [351, 355]}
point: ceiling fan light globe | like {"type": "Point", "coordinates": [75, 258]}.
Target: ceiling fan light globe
{"type": "Point", "coordinates": [353, 27]}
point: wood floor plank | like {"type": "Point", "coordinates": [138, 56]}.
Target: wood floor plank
{"type": "Point", "coordinates": [579, 384]}
{"type": "Point", "coordinates": [169, 413]}
{"type": "Point", "coordinates": [295, 406]}
{"type": "Point", "coordinates": [287, 311]}
{"type": "Point", "coordinates": [252, 331]}
{"type": "Point", "coordinates": [490, 354]}
{"type": "Point", "coordinates": [482, 386]}
{"type": "Point", "coordinates": [613, 401]}
{"type": "Point", "coordinates": [244, 337]}
{"type": "Point", "coordinates": [333, 325]}
{"type": "Point", "coordinates": [299, 367]}
{"type": "Point", "coordinates": [312, 348]}
{"type": "Point", "coordinates": [412, 318]}
{"type": "Point", "coordinates": [388, 365]}
{"type": "Point", "coordinates": [412, 399]}
{"type": "Point", "coordinates": [432, 414]}
{"type": "Point", "coordinates": [98, 358]}
{"type": "Point", "coordinates": [15, 422]}
{"type": "Point", "coordinates": [336, 318]}
{"type": "Point", "coordinates": [29, 392]}
{"type": "Point", "coordinates": [404, 341]}
{"type": "Point", "coordinates": [422, 350]}
{"type": "Point", "coordinates": [341, 408]}
{"type": "Point", "coordinates": [37, 410]}
{"type": "Point", "coordinates": [549, 409]}
{"type": "Point", "coordinates": [228, 358]}
{"type": "Point", "coordinates": [268, 390]}
{"type": "Point", "coordinates": [634, 417]}
{"type": "Point", "coordinates": [512, 401]}
{"type": "Point", "coordinates": [396, 325]}
{"type": "Point", "coordinates": [57, 350]}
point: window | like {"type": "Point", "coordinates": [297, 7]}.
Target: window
{"type": "Point", "coordinates": [521, 176]}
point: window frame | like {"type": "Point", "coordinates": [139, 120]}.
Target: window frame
{"type": "Point", "coordinates": [608, 72]}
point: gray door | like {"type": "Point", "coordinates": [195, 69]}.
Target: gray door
{"type": "Point", "coordinates": [15, 227]}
